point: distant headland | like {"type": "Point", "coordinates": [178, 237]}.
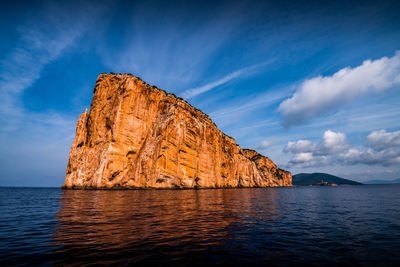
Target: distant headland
{"type": "Point", "coordinates": [321, 179]}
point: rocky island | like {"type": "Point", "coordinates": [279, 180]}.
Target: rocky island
{"type": "Point", "coordinates": [138, 136]}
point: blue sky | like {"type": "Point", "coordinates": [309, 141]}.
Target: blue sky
{"type": "Point", "coordinates": [314, 86]}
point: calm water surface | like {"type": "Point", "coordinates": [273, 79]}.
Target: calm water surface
{"type": "Point", "coordinates": [346, 225]}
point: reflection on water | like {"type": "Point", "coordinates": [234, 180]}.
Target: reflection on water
{"type": "Point", "coordinates": [281, 226]}
{"type": "Point", "coordinates": [313, 226]}
{"type": "Point", "coordinates": [158, 225]}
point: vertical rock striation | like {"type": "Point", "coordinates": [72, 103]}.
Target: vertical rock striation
{"type": "Point", "coordinates": [138, 136]}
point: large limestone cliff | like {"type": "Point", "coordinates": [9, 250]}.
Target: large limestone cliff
{"type": "Point", "coordinates": [138, 136]}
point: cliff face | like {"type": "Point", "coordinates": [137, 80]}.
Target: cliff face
{"type": "Point", "coordinates": [138, 136]}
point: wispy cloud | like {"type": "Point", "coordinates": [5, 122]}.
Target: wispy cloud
{"type": "Point", "coordinates": [23, 66]}
{"type": "Point", "coordinates": [193, 92]}
{"type": "Point", "coordinates": [318, 95]}
{"type": "Point", "coordinates": [207, 87]}
{"type": "Point", "coordinates": [39, 139]}
{"type": "Point", "coordinates": [39, 43]}
{"type": "Point", "coordinates": [257, 101]}
{"type": "Point", "coordinates": [174, 48]}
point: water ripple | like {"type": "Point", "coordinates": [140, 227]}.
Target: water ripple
{"type": "Point", "coordinates": [313, 226]}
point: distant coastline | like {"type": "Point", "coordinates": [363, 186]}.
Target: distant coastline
{"type": "Point", "coordinates": [320, 179]}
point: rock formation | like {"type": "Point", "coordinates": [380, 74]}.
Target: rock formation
{"type": "Point", "coordinates": [138, 136]}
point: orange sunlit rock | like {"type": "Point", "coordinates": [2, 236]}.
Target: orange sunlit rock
{"type": "Point", "coordinates": [138, 136]}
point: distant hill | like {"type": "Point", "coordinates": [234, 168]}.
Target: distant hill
{"type": "Point", "coordinates": [395, 181]}
{"type": "Point", "coordinates": [320, 179]}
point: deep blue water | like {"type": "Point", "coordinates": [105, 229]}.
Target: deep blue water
{"type": "Point", "coordinates": [314, 226]}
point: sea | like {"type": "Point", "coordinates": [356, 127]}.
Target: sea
{"type": "Point", "coordinates": [297, 226]}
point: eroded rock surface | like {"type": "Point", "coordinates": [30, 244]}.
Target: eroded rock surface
{"type": "Point", "coordinates": [138, 136]}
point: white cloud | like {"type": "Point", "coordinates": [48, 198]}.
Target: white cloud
{"type": "Point", "coordinates": [380, 140]}
{"type": "Point", "coordinates": [385, 157]}
{"type": "Point", "coordinates": [382, 148]}
{"type": "Point", "coordinates": [318, 95]}
{"type": "Point", "coordinates": [303, 157]}
{"type": "Point", "coordinates": [266, 144]}
{"type": "Point", "coordinates": [300, 146]}
{"type": "Point", "coordinates": [334, 142]}
{"type": "Point", "coordinates": [350, 154]}
{"type": "Point", "coordinates": [308, 160]}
